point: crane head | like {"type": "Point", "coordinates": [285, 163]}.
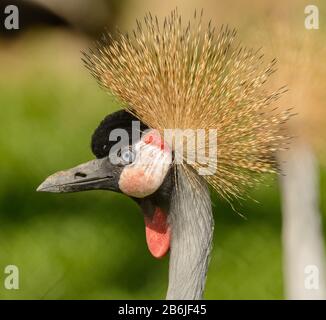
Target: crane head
{"type": "Point", "coordinates": [176, 76]}
{"type": "Point", "coordinates": [137, 165]}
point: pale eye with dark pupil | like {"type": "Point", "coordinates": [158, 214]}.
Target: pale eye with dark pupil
{"type": "Point", "coordinates": [127, 156]}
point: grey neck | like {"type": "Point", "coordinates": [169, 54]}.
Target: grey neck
{"type": "Point", "coordinates": [192, 233]}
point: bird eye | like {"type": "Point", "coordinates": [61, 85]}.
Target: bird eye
{"type": "Point", "coordinates": [127, 156]}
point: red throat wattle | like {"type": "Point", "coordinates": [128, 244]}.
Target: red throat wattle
{"type": "Point", "coordinates": [158, 234]}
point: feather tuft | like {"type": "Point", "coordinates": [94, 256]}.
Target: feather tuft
{"type": "Point", "coordinates": [176, 76]}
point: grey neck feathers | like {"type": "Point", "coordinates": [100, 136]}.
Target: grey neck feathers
{"type": "Point", "coordinates": [192, 232]}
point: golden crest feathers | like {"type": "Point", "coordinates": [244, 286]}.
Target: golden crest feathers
{"type": "Point", "coordinates": [176, 76]}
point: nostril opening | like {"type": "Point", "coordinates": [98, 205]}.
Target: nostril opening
{"type": "Point", "coordinates": [80, 175]}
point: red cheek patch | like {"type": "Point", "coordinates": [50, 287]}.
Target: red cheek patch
{"type": "Point", "coordinates": [155, 140]}
{"type": "Point", "coordinates": [158, 233]}
{"type": "Point", "coordinates": [148, 139]}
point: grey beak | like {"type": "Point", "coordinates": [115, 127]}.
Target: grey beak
{"type": "Point", "coordinates": [98, 174]}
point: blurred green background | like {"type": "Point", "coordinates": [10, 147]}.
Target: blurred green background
{"type": "Point", "coordinates": [92, 245]}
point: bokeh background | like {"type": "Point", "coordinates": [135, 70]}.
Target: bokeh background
{"type": "Point", "coordinates": [92, 245]}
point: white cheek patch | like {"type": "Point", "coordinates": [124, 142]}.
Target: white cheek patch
{"type": "Point", "coordinates": [146, 174]}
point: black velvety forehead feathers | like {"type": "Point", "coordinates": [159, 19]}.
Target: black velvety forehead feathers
{"type": "Point", "coordinates": [101, 144]}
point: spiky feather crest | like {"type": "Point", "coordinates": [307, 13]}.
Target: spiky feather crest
{"type": "Point", "coordinates": [175, 76]}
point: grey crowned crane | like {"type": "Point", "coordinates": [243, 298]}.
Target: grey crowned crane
{"type": "Point", "coordinates": [176, 78]}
